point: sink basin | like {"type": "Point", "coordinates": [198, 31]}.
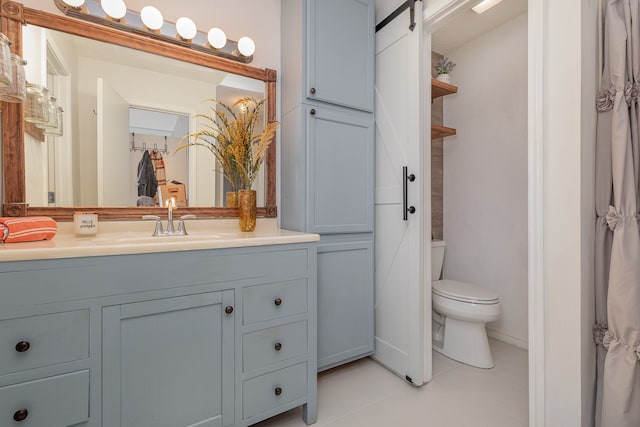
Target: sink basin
{"type": "Point", "coordinates": [144, 239]}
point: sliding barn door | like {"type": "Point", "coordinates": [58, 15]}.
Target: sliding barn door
{"type": "Point", "coordinates": [401, 207]}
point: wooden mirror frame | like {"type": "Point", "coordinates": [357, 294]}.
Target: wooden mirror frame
{"type": "Point", "coordinates": [13, 16]}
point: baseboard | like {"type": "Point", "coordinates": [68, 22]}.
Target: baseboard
{"type": "Point", "coordinates": [508, 339]}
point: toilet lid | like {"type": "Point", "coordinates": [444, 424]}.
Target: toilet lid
{"type": "Point", "coordinates": [465, 292]}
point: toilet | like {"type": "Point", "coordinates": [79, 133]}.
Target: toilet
{"type": "Point", "coordinates": [460, 312]}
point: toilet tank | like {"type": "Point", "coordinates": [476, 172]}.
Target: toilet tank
{"type": "Point", "coordinates": [437, 258]}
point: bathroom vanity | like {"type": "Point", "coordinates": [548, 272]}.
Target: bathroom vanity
{"type": "Point", "coordinates": [212, 329]}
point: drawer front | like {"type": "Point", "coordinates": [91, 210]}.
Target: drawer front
{"type": "Point", "coordinates": [50, 402]}
{"type": "Point", "coordinates": [37, 341]}
{"type": "Point", "coordinates": [274, 300]}
{"type": "Point", "coordinates": [268, 346]}
{"type": "Point", "coordinates": [274, 389]}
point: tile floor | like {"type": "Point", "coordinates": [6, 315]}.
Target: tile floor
{"type": "Point", "coordinates": [364, 394]}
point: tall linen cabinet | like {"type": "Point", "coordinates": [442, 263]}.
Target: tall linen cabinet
{"type": "Point", "coordinates": [328, 142]}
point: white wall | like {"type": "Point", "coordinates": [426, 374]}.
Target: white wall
{"type": "Point", "coordinates": [36, 171]}
{"type": "Point", "coordinates": [485, 172]}
{"type": "Point", "coordinates": [566, 34]}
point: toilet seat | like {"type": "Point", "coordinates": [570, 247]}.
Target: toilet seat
{"type": "Point", "coordinates": [464, 292]}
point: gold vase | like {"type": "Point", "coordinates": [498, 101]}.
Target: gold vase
{"type": "Point", "coordinates": [232, 199]}
{"type": "Point", "coordinates": [247, 209]}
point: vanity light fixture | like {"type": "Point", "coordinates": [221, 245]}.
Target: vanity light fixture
{"type": "Point", "coordinates": [150, 23]}
{"type": "Point", "coordinates": [485, 5]}
{"type": "Point", "coordinates": [186, 28]}
{"type": "Point", "coordinates": [74, 3]}
{"type": "Point", "coordinates": [216, 38]}
{"type": "Point", "coordinates": [246, 46]}
{"type": "Point", "coordinates": [151, 18]}
{"type": "Point", "coordinates": [115, 9]}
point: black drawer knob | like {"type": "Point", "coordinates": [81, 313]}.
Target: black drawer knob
{"type": "Point", "coordinates": [277, 301]}
{"type": "Point", "coordinates": [312, 90]}
{"type": "Point", "coordinates": [278, 391]}
{"type": "Point", "coordinates": [228, 309]}
{"type": "Point", "coordinates": [23, 346]}
{"type": "Point", "coordinates": [20, 415]}
{"type": "Point", "coordinates": [278, 346]}
{"type": "Point", "coordinates": [312, 112]}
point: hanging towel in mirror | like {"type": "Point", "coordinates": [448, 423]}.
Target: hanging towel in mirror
{"type": "Point", "coordinates": [158, 165]}
{"type": "Point", "coordinates": [147, 183]}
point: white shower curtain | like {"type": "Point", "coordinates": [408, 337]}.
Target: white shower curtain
{"type": "Point", "coordinates": [617, 232]}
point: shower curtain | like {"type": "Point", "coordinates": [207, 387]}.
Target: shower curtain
{"type": "Point", "coordinates": [617, 285]}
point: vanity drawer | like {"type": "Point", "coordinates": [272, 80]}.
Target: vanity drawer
{"type": "Point", "coordinates": [274, 389]}
{"type": "Point", "coordinates": [37, 341]}
{"type": "Point", "coordinates": [268, 346]}
{"type": "Point", "coordinates": [50, 402]}
{"type": "Point", "coordinates": [274, 300]}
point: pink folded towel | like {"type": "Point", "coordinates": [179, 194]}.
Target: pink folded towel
{"type": "Point", "coordinates": [27, 229]}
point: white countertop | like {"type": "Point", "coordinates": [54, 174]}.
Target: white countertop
{"type": "Point", "coordinates": [134, 237]}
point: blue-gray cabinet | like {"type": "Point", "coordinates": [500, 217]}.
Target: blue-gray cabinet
{"type": "Point", "coordinates": [329, 180]}
{"type": "Point", "coordinates": [223, 337]}
{"type": "Point", "coordinates": [340, 30]}
{"type": "Point", "coordinates": [345, 270]}
{"type": "Point", "coordinates": [328, 142]}
{"type": "Point", "coordinates": [168, 362]}
{"type": "Point", "coordinates": [328, 52]}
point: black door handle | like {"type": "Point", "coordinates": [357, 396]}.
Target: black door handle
{"type": "Point", "coordinates": [405, 190]}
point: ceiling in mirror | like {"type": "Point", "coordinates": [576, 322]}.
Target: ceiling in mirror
{"type": "Point", "coordinates": [118, 103]}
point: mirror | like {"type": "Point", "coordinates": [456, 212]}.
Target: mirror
{"type": "Point", "coordinates": [143, 97]}
{"type": "Point", "coordinates": [118, 104]}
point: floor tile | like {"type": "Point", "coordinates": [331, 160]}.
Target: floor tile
{"type": "Point", "coordinates": [365, 394]}
{"type": "Point", "coordinates": [355, 386]}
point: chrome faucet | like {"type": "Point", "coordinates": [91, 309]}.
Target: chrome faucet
{"type": "Point", "coordinates": [171, 205]}
{"type": "Point", "coordinates": [171, 231]}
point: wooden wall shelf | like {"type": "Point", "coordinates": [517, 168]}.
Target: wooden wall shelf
{"type": "Point", "coordinates": [439, 89]}
{"type": "Point", "coordinates": [438, 132]}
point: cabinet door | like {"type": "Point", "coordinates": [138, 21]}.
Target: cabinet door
{"type": "Point", "coordinates": [340, 52]}
{"type": "Point", "coordinates": [345, 302]}
{"type": "Point", "coordinates": [169, 362]}
{"type": "Point", "coordinates": [340, 169]}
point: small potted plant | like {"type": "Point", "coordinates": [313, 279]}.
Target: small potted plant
{"type": "Point", "coordinates": [444, 67]}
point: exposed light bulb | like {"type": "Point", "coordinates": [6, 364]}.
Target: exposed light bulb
{"type": "Point", "coordinates": [246, 46]}
{"type": "Point", "coordinates": [116, 9]}
{"type": "Point", "coordinates": [186, 28]}
{"type": "Point", "coordinates": [151, 18]}
{"type": "Point", "coordinates": [485, 5]}
{"type": "Point", "coordinates": [217, 38]}
{"type": "Point", "coordinates": [73, 3]}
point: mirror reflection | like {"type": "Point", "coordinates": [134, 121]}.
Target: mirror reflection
{"type": "Point", "coordinates": [122, 109]}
